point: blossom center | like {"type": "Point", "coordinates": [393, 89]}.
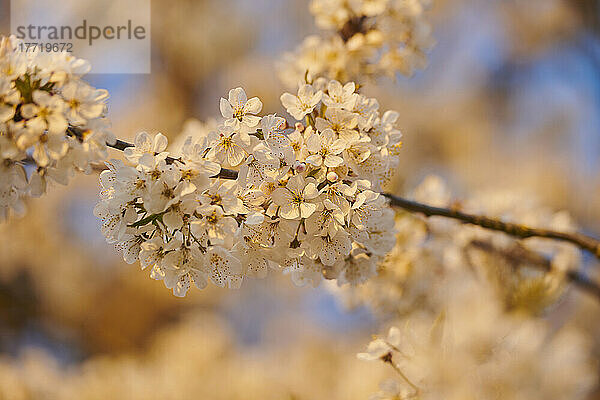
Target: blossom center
{"type": "Point", "coordinates": [168, 193]}
{"type": "Point", "coordinates": [43, 112]}
{"type": "Point", "coordinates": [226, 142]}
{"type": "Point", "coordinates": [212, 219]}
{"type": "Point", "coordinates": [297, 198]}
{"type": "Point", "coordinates": [238, 113]}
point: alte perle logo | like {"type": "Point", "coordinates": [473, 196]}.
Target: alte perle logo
{"type": "Point", "coordinates": [83, 31]}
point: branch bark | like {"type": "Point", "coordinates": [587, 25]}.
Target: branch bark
{"type": "Point", "coordinates": [580, 240]}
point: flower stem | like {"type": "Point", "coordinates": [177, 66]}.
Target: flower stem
{"type": "Point", "coordinates": [389, 360]}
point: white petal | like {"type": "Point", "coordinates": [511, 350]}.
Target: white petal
{"type": "Point", "coordinates": [253, 106]}
{"type": "Point", "coordinates": [226, 110]}
{"type": "Point", "coordinates": [237, 97]}
{"type": "Point", "coordinates": [160, 143]}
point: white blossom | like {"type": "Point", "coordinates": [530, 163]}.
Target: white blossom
{"type": "Point", "coordinates": [48, 112]}
{"type": "Point", "coordinates": [360, 39]}
{"type": "Point", "coordinates": [302, 104]}
{"type": "Point", "coordinates": [295, 206]}
{"type": "Point", "coordinates": [239, 111]}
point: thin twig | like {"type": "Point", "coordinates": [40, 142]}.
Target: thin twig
{"type": "Point", "coordinates": [121, 145]}
{"type": "Point", "coordinates": [224, 173]}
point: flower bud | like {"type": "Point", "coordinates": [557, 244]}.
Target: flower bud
{"type": "Point", "coordinates": [299, 127]}
{"type": "Point", "coordinates": [299, 166]}
{"type": "Point", "coordinates": [332, 176]}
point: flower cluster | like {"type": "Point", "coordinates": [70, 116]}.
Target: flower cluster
{"type": "Point", "coordinates": [49, 117]}
{"type": "Point", "coordinates": [255, 195]}
{"type": "Point", "coordinates": [362, 38]}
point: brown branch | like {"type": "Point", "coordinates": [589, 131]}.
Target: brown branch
{"type": "Point", "coordinates": [580, 240]}
{"type": "Point", "coordinates": [121, 145]}
{"type": "Point", "coordinates": [518, 255]}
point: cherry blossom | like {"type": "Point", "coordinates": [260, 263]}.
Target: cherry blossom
{"type": "Point", "coordinates": [239, 111]}
{"type": "Point", "coordinates": [296, 204]}
{"type": "Point", "coordinates": [49, 117]}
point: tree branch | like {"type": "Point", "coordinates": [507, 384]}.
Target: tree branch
{"type": "Point", "coordinates": [580, 240]}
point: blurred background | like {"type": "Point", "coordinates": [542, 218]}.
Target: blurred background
{"type": "Point", "coordinates": [510, 100]}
